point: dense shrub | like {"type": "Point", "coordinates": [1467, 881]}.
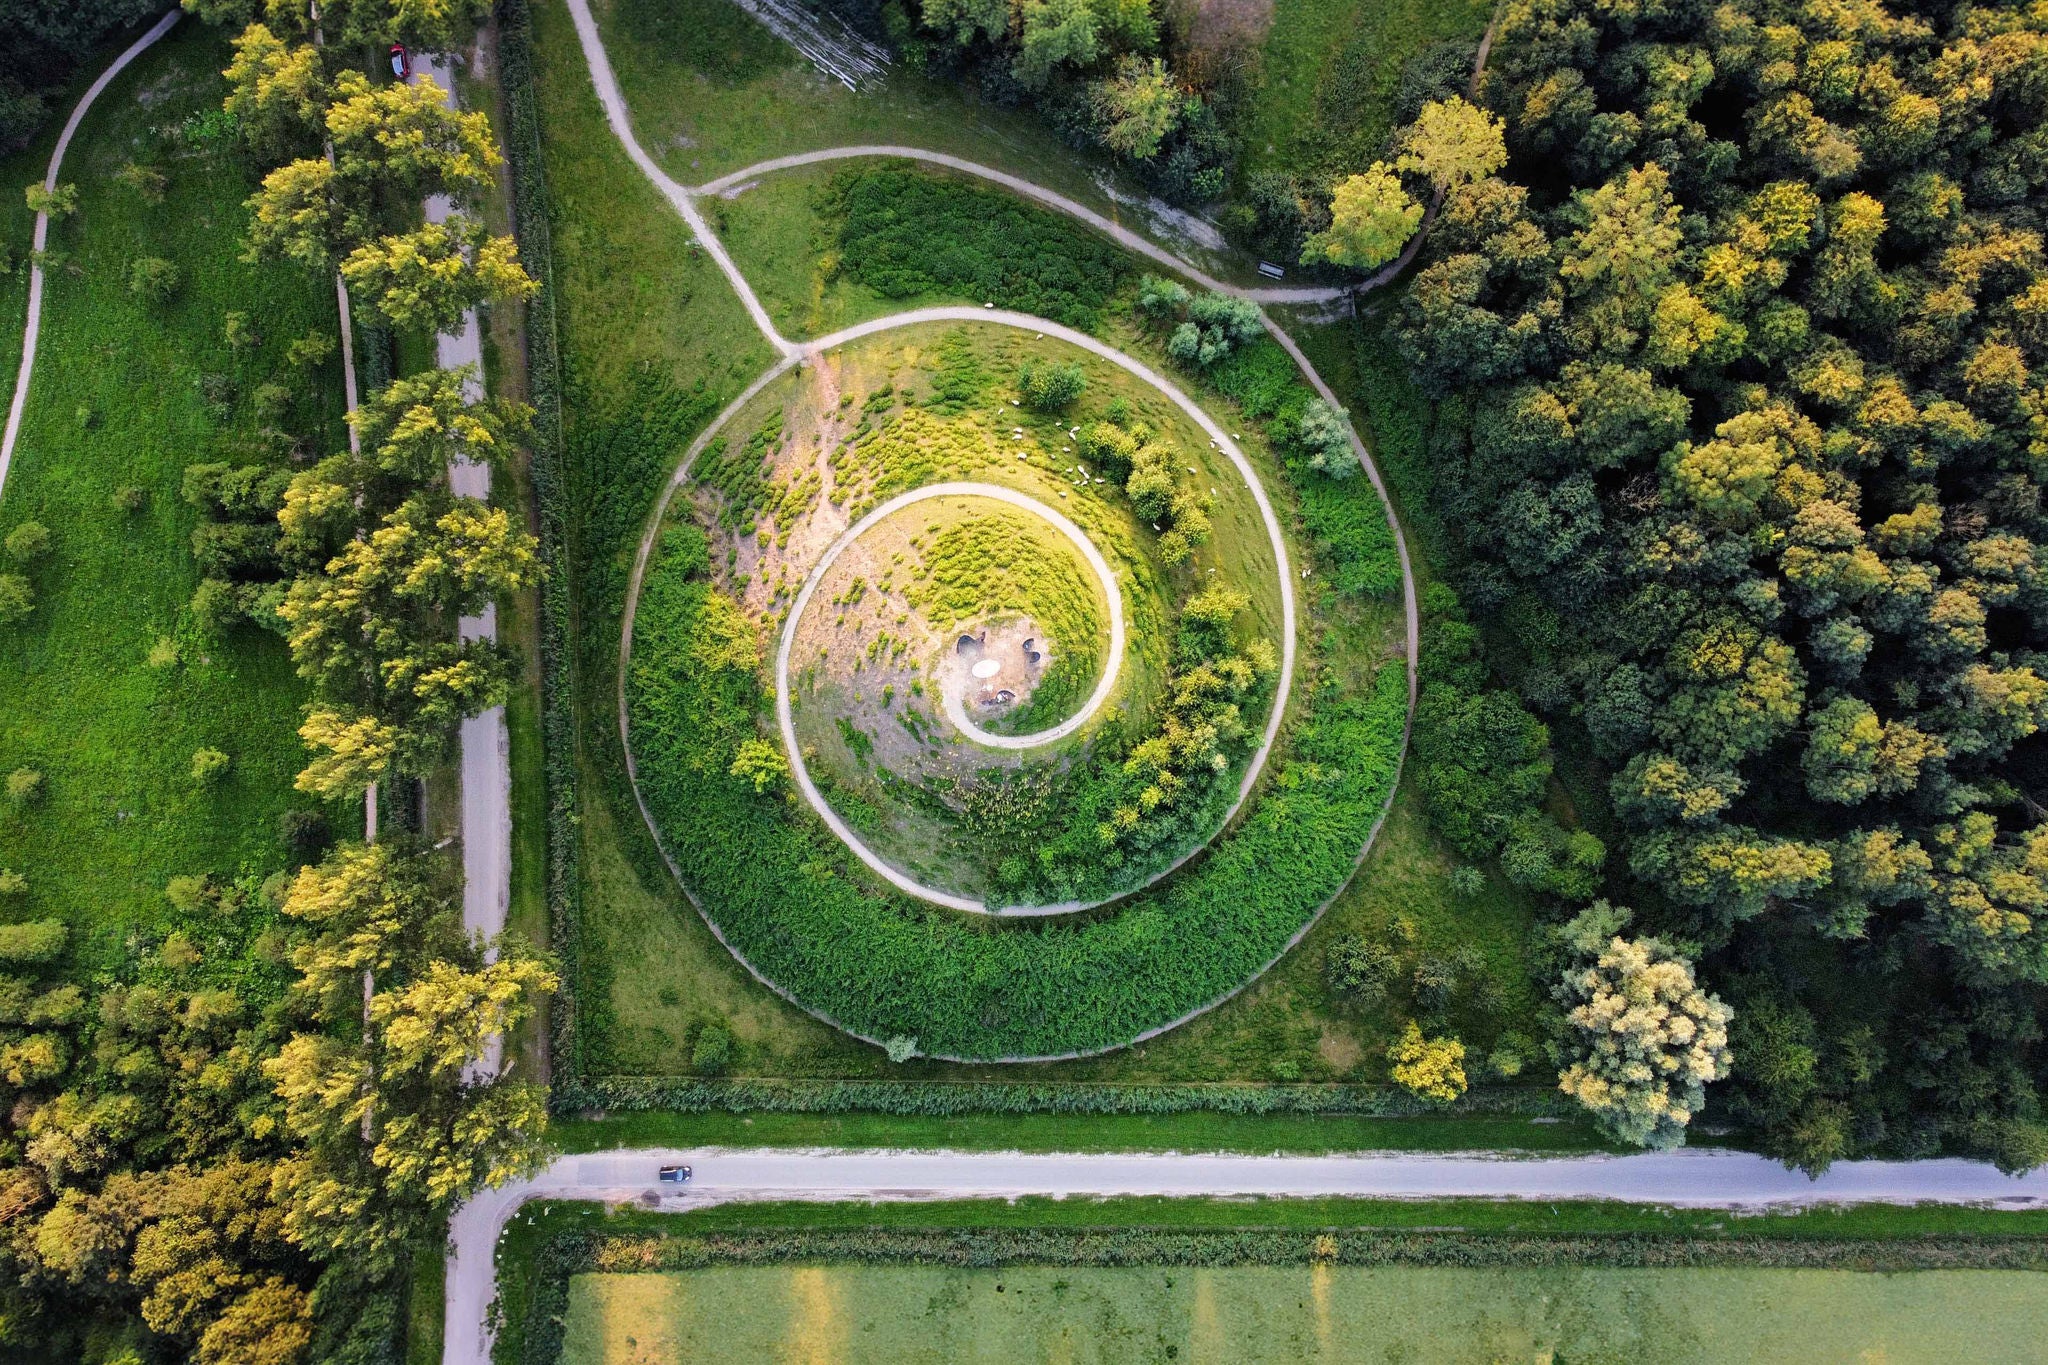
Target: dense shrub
{"type": "Point", "coordinates": [905, 233]}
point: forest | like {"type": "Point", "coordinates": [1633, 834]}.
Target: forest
{"type": "Point", "coordinates": [1736, 349]}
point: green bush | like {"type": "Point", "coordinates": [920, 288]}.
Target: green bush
{"type": "Point", "coordinates": [154, 278]}
{"type": "Point", "coordinates": [24, 786]}
{"type": "Point", "coordinates": [28, 542]}
{"type": "Point", "coordinates": [17, 599]}
{"type": "Point", "coordinates": [711, 1054]}
{"type": "Point", "coordinates": [906, 233]}
{"type": "Point", "coordinates": [33, 942]}
{"type": "Point", "coordinates": [209, 766]}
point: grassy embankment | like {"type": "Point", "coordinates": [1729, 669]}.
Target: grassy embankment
{"type": "Point", "coordinates": [120, 400]}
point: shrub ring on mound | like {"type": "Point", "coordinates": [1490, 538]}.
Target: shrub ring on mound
{"type": "Point", "coordinates": [956, 988]}
{"type": "Point", "coordinates": [786, 720]}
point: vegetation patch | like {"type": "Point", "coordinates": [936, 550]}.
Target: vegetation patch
{"type": "Point", "coordinates": [907, 233]}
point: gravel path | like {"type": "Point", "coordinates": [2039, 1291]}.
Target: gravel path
{"type": "Point", "coordinates": [1052, 199]}
{"type": "Point", "coordinates": [33, 330]}
{"type": "Point", "coordinates": [1691, 1178]}
{"type": "Point", "coordinates": [485, 742]}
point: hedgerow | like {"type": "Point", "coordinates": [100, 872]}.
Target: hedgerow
{"type": "Point", "coordinates": [904, 233]}
{"type": "Point", "coordinates": [679, 1094]}
{"type": "Point", "coordinates": [544, 392]}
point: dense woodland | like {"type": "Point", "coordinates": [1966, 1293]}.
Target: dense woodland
{"type": "Point", "coordinates": [1741, 421]}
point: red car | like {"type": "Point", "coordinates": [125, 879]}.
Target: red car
{"type": "Point", "coordinates": [401, 62]}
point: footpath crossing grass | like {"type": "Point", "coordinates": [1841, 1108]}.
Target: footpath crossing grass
{"type": "Point", "coordinates": [121, 399]}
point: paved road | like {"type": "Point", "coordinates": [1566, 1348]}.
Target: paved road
{"type": "Point", "coordinates": [1686, 1178]}
{"type": "Point", "coordinates": [33, 330]}
{"type": "Point", "coordinates": [485, 742]}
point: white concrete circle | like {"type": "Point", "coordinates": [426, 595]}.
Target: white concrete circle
{"type": "Point", "coordinates": [987, 668]}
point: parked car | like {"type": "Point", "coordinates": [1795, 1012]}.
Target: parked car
{"type": "Point", "coordinates": [401, 62]}
{"type": "Point", "coordinates": [675, 1175]}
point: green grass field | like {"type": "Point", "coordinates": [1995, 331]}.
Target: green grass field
{"type": "Point", "coordinates": [1329, 72]}
{"type": "Point", "coordinates": [117, 401]}
{"type": "Point", "coordinates": [1254, 1314]}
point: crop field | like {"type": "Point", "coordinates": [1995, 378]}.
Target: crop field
{"type": "Point", "coordinates": [108, 689]}
{"type": "Point", "coordinates": [1308, 1313]}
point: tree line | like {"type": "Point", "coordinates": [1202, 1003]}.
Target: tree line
{"type": "Point", "coordinates": [231, 1150]}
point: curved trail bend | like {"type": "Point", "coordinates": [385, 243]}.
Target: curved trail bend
{"type": "Point", "coordinates": [1689, 1177]}
{"type": "Point", "coordinates": [33, 329]}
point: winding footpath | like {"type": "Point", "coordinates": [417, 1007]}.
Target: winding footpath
{"type": "Point", "coordinates": [33, 330]}
{"type": "Point", "coordinates": [1687, 1178]}
{"type": "Point", "coordinates": [785, 718]}
{"type": "Point", "coordinates": [1693, 1178]}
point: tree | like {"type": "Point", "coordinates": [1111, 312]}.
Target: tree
{"type": "Point", "coordinates": [1137, 107]}
{"type": "Point", "coordinates": [1325, 433]}
{"type": "Point", "coordinates": [209, 766]}
{"type": "Point", "coordinates": [1055, 33]}
{"type": "Point", "coordinates": [277, 94]}
{"type": "Point", "coordinates": [1452, 143]}
{"type": "Point", "coordinates": [154, 278]}
{"type": "Point", "coordinates": [1645, 1038]}
{"type": "Point", "coordinates": [762, 764]}
{"type": "Point", "coordinates": [17, 599]}
{"type": "Point", "coordinates": [428, 278]}
{"type": "Point", "coordinates": [28, 542]}
{"type": "Point", "coordinates": [25, 786]}
{"type": "Point", "coordinates": [60, 201]}
{"type": "Point", "coordinates": [270, 1324]}
{"type": "Point", "coordinates": [1433, 1068]}
{"type": "Point", "coordinates": [1050, 387]}
{"type": "Point", "coordinates": [1371, 219]}
{"type": "Point", "coordinates": [404, 139]}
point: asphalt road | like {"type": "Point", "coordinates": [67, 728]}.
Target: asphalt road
{"type": "Point", "coordinates": [1686, 1178]}
{"type": "Point", "coordinates": [485, 741]}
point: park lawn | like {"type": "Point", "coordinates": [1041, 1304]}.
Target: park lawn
{"type": "Point", "coordinates": [1328, 76]}
{"type": "Point", "coordinates": [782, 242]}
{"type": "Point", "coordinates": [1251, 1315]}
{"type": "Point", "coordinates": [116, 401]}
